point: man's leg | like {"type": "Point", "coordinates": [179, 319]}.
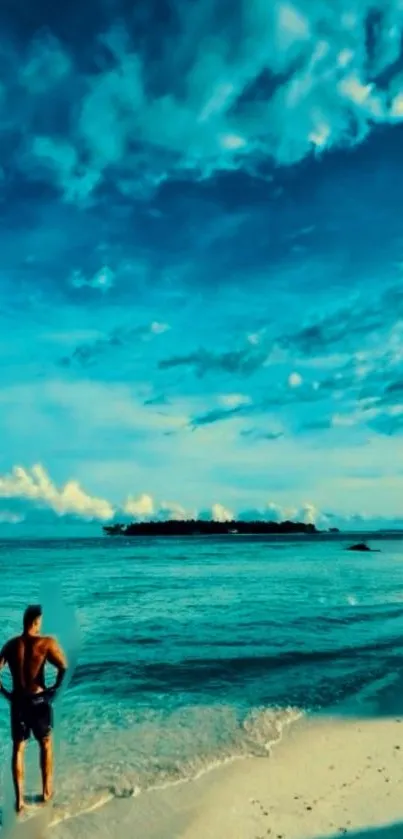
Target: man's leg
{"type": "Point", "coordinates": [46, 757]}
{"type": "Point", "coordinates": [17, 768]}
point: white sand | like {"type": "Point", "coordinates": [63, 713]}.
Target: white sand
{"type": "Point", "coordinates": [327, 777]}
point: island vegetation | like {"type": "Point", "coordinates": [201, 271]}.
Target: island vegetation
{"type": "Point", "coordinates": [208, 528]}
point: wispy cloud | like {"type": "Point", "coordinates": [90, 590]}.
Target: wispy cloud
{"type": "Point", "coordinates": [256, 434]}
{"type": "Point", "coordinates": [151, 175]}
{"type": "Point", "coordinates": [120, 337]}
{"type": "Point", "coordinates": [219, 414]}
{"type": "Point", "coordinates": [317, 424]}
{"type": "Point", "coordinates": [345, 332]}
{"type": "Point", "coordinates": [349, 326]}
{"type": "Point", "coordinates": [388, 422]}
{"type": "Point", "coordinates": [243, 361]}
{"type": "Point", "coordinates": [102, 280]}
{"type": "Point", "coordinates": [159, 399]}
{"type": "Point", "coordinates": [349, 355]}
{"type": "Point", "coordinates": [299, 79]}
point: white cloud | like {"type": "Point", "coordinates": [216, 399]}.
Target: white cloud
{"type": "Point", "coordinates": [308, 513]}
{"type": "Point", "coordinates": [397, 107]}
{"type": "Point", "coordinates": [26, 492]}
{"type": "Point", "coordinates": [345, 420]}
{"type": "Point", "coordinates": [352, 88]}
{"type": "Point", "coordinates": [254, 338]}
{"type": "Point", "coordinates": [35, 487]}
{"type": "Point", "coordinates": [220, 513]}
{"type": "Point", "coordinates": [320, 135]}
{"type": "Point", "coordinates": [142, 507]}
{"type": "Point", "coordinates": [295, 380]}
{"type": "Point", "coordinates": [159, 328]}
{"type": "Point", "coordinates": [292, 25]}
{"type": "Point", "coordinates": [61, 160]}
{"type": "Point", "coordinates": [234, 400]}
{"type": "Point", "coordinates": [326, 96]}
{"type": "Point", "coordinates": [96, 406]}
{"type": "Point", "coordinates": [221, 97]}
{"type": "Point", "coordinates": [146, 507]}
{"type": "Point", "coordinates": [311, 515]}
{"type": "Point", "coordinates": [233, 142]}
{"type": "Point", "coordinates": [175, 512]}
{"type": "Point", "coordinates": [102, 279]}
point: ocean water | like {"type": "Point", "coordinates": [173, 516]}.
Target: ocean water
{"type": "Point", "coordinates": [195, 651]}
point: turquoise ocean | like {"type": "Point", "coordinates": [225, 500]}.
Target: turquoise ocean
{"type": "Point", "coordinates": [190, 652]}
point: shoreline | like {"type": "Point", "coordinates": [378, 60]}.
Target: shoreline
{"type": "Point", "coordinates": [292, 717]}
{"type": "Point", "coordinates": [175, 801]}
{"type": "Point", "coordinates": [325, 776]}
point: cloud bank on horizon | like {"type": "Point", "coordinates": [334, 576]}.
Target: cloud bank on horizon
{"type": "Point", "coordinates": [201, 284]}
{"type": "Point", "coordinates": [30, 495]}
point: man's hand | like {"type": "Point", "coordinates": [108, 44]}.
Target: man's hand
{"type": "Point", "coordinates": [56, 657]}
{"type": "Point", "coordinates": [51, 693]}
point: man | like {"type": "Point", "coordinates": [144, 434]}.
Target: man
{"type": "Point", "coordinates": [30, 700]}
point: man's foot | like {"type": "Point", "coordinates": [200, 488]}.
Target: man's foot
{"type": "Point", "coordinates": [19, 807]}
{"type": "Point", "coordinates": [47, 796]}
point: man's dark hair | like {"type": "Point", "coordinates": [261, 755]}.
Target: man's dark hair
{"type": "Point", "coordinates": [31, 614]}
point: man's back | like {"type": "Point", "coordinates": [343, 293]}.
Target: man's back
{"type": "Point", "coordinates": [26, 656]}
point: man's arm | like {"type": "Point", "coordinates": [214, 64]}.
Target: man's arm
{"type": "Point", "coordinates": [56, 657]}
{"type": "Point", "coordinates": [3, 662]}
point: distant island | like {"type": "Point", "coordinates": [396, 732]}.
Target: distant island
{"type": "Point", "coordinates": [207, 528]}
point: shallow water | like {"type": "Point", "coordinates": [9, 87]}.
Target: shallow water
{"type": "Point", "coordinates": [198, 650]}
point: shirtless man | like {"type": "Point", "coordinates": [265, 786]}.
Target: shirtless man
{"type": "Point", "coordinates": [30, 700]}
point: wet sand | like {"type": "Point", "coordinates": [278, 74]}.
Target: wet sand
{"type": "Point", "coordinates": [328, 777]}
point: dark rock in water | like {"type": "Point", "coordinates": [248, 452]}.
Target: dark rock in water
{"type": "Point", "coordinates": [362, 546]}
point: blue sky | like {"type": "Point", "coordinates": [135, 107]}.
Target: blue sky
{"type": "Point", "coordinates": [201, 294]}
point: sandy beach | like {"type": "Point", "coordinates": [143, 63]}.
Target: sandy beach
{"type": "Point", "coordinates": [206, 734]}
{"type": "Point", "coordinates": [328, 776]}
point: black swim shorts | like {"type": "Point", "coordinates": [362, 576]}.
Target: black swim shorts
{"type": "Point", "coordinates": [31, 714]}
